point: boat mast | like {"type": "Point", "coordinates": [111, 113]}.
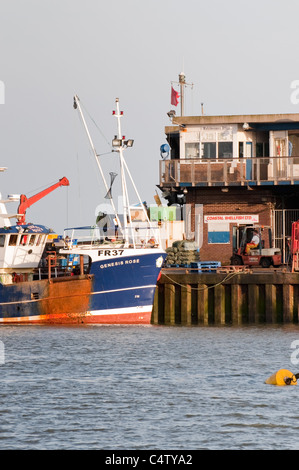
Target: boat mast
{"type": "Point", "coordinates": [118, 144]}
{"type": "Point", "coordinates": [121, 144]}
{"type": "Point", "coordinates": [119, 147]}
{"type": "Point", "coordinates": [77, 105]}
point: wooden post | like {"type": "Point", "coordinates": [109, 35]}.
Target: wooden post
{"type": "Point", "coordinates": [270, 303]}
{"type": "Point", "coordinates": [287, 302]}
{"type": "Point", "coordinates": [253, 303]}
{"type": "Point", "coordinates": [186, 305]}
{"type": "Point", "coordinates": [155, 311]}
{"type": "Point", "coordinates": [219, 304]}
{"type": "Point", "coordinates": [169, 304]}
{"type": "Point", "coordinates": [236, 299]}
{"type": "Point", "coordinates": [202, 304]}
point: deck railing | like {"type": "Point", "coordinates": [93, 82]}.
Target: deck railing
{"type": "Point", "coordinates": [139, 235]}
{"type": "Point", "coordinates": [234, 171]}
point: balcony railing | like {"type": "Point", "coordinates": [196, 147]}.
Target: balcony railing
{"type": "Point", "coordinates": [234, 171]}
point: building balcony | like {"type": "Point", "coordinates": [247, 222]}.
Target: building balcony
{"type": "Point", "coordinates": [229, 172]}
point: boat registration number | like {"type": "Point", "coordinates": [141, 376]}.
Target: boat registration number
{"type": "Point", "coordinates": [110, 252]}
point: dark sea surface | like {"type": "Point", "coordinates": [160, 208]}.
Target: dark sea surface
{"type": "Point", "coordinates": [147, 387]}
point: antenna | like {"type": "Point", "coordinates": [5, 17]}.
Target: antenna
{"type": "Point", "coordinates": [183, 84]}
{"type": "Point", "coordinates": [182, 81]}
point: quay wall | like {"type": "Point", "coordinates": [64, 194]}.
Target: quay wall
{"type": "Point", "coordinates": [226, 298]}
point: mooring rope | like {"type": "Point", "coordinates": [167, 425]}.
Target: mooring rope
{"type": "Point", "coordinates": [227, 277]}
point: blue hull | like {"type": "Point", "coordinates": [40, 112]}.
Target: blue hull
{"type": "Point", "coordinates": [124, 288]}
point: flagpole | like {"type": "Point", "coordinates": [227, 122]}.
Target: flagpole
{"type": "Point", "coordinates": [175, 95]}
{"type": "Point", "coordinates": [182, 81]}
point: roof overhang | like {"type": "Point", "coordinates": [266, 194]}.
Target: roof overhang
{"type": "Point", "coordinates": [261, 122]}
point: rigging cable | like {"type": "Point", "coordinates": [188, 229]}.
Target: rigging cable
{"type": "Point", "coordinates": [40, 188]}
{"type": "Point", "coordinates": [102, 134]}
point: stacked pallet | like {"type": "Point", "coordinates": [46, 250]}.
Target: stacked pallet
{"type": "Point", "coordinates": [205, 266]}
{"type": "Point", "coordinates": [182, 253]}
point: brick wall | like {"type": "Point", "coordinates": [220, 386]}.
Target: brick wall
{"type": "Point", "coordinates": [233, 202]}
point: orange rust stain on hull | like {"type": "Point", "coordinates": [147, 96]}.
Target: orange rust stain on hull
{"type": "Point", "coordinates": [64, 300]}
{"type": "Point", "coordinates": [67, 301]}
{"type": "Point", "coordinates": [85, 317]}
{"type": "Point", "coordinates": [118, 319]}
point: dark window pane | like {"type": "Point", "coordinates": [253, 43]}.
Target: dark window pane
{"type": "Point", "coordinates": [241, 150]}
{"type": "Point", "coordinates": [13, 240]}
{"type": "Point", "coordinates": [259, 149]}
{"type": "Point", "coordinates": [209, 150]}
{"type": "Point", "coordinates": [225, 150]}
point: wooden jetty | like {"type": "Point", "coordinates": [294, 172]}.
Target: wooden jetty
{"type": "Point", "coordinates": [227, 296]}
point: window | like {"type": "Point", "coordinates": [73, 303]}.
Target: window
{"type": "Point", "coordinates": [2, 240]}
{"type": "Point", "coordinates": [32, 239]}
{"type": "Point", "coordinates": [209, 150]}
{"type": "Point", "coordinates": [218, 232]}
{"type": "Point", "coordinates": [241, 149]}
{"type": "Point", "coordinates": [24, 239]}
{"type": "Point", "coordinates": [39, 240]}
{"type": "Point", "coordinates": [225, 150]}
{"type": "Point", "coordinates": [212, 142]}
{"type": "Point", "coordinates": [259, 150]}
{"type": "Point", "coordinates": [262, 149]}
{"type": "Point", "coordinates": [192, 150]}
{"type": "Point", "coordinates": [13, 240]}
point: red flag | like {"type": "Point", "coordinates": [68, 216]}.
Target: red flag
{"type": "Point", "coordinates": [174, 97]}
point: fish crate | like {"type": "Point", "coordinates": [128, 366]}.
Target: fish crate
{"type": "Point", "coordinates": [205, 266]}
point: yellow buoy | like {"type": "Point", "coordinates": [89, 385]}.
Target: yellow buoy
{"type": "Point", "coordinates": [282, 377]}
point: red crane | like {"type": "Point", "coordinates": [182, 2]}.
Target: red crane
{"type": "Point", "coordinates": [25, 203]}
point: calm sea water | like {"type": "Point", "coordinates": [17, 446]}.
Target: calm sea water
{"type": "Point", "coordinates": [152, 387]}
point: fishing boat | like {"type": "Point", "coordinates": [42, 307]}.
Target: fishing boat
{"type": "Point", "coordinates": [32, 289]}
{"type": "Point", "coordinates": [87, 276]}
{"type": "Point", "coordinates": [124, 264]}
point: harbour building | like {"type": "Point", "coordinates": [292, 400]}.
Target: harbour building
{"type": "Point", "coordinates": [233, 170]}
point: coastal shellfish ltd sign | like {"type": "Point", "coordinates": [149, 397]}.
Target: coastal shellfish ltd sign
{"type": "Point", "coordinates": [240, 219]}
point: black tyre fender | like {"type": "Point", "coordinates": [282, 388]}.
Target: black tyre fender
{"type": "Point", "coordinates": [265, 262]}
{"type": "Point", "coordinates": [236, 260]}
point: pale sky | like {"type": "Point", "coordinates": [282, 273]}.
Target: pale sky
{"type": "Point", "coordinates": [241, 57]}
